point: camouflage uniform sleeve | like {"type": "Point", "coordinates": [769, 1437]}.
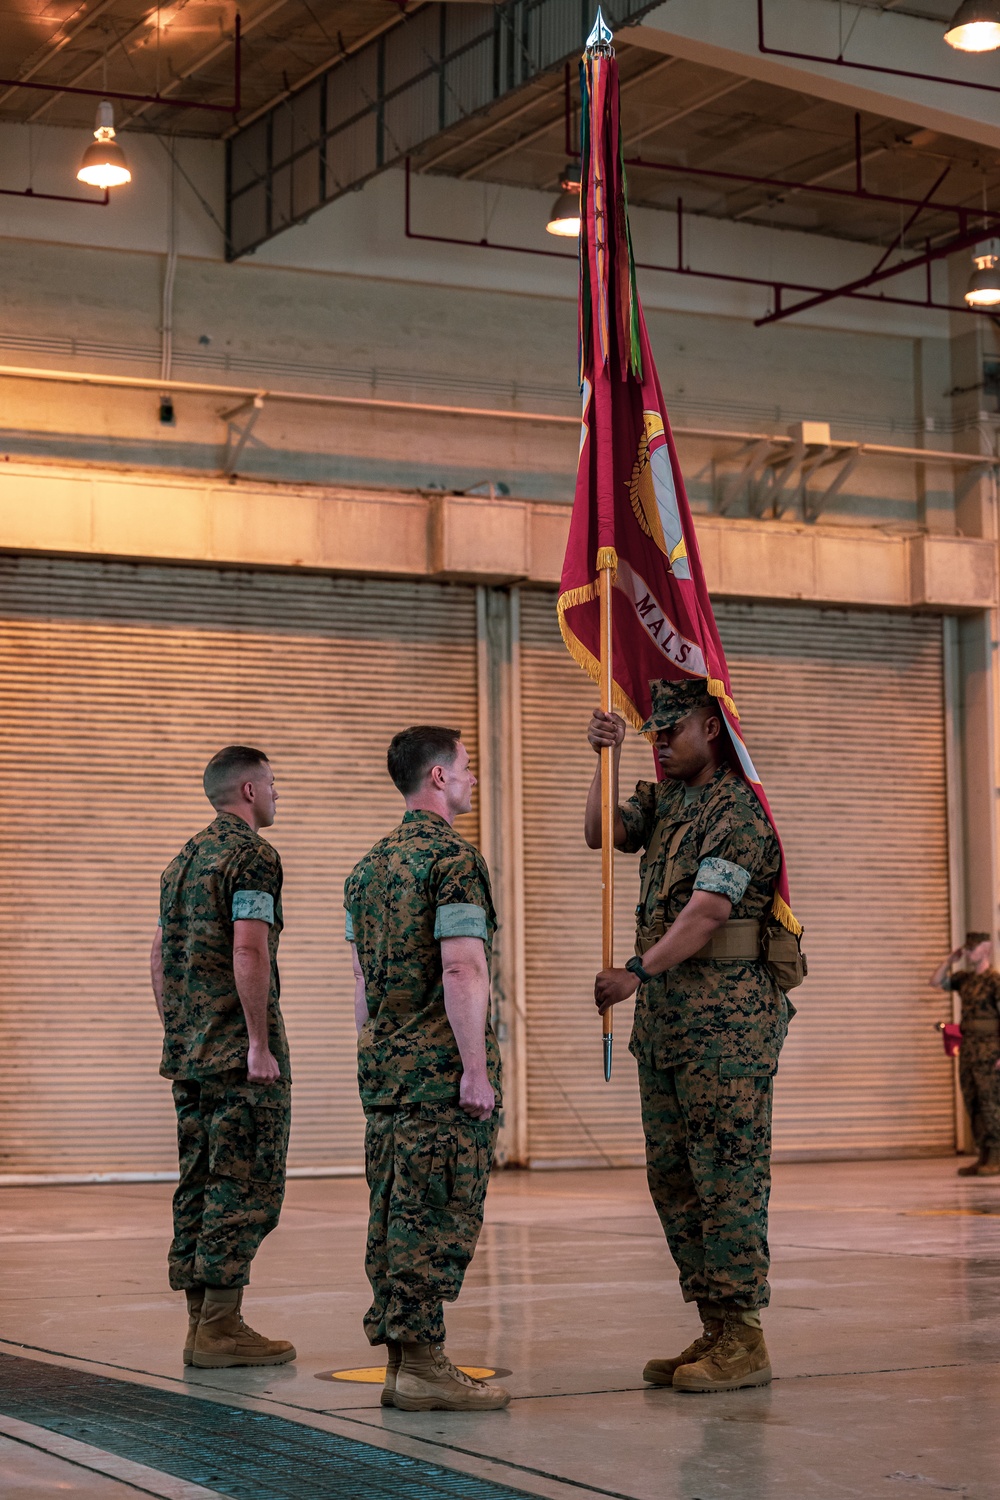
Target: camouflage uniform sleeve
{"type": "Point", "coordinates": [995, 993]}
{"type": "Point", "coordinates": [639, 816]}
{"type": "Point", "coordinates": [460, 895]}
{"type": "Point", "coordinates": [254, 887]}
{"type": "Point", "coordinates": [733, 849]}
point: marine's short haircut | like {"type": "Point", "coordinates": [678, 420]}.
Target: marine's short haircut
{"type": "Point", "coordinates": [228, 769]}
{"type": "Point", "coordinates": [973, 939]}
{"type": "Point", "coordinates": [413, 751]}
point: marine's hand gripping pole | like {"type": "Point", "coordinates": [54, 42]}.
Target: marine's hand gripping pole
{"type": "Point", "coordinates": [608, 814]}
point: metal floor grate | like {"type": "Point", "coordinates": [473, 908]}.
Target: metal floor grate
{"type": "Point", "coordinates": [245, 1454]}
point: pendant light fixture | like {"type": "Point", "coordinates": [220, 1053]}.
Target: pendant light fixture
{"type": "Point", "coordinates": [983, 290]}
{"type": "Point", "coordinates": [104, 164]}
{"type": "Point", "coordinates": [564, 220]}
{"type": "Point", "coordinates": [975, 26]}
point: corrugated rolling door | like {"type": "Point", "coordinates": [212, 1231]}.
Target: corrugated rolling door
{"type": "Point", "coordinates": [843, 711]}
{"type": "Point", "coordinates": [119, 681]}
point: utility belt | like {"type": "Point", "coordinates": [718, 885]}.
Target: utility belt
{"type": "Point", "coordinates": [739, 938]}
{"type": "Point", "coordinates": [980, 1028]}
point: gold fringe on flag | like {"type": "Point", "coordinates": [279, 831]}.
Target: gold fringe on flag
{"type": "Point", "coordinates": [624, 705]}
{"type": "Point", "coordinates": [717, 688]}
{"type": "Point", "coordinates": [607, 557]}
{"type": "Point", "coordinates": [785, 916]}
{"type": "Point", "coordinates": [622, 702]}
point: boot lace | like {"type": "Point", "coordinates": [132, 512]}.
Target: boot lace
{"type": "Point", "coordinates": [733, 1336]}
{"type": "Point", "coordinates": [702, 1346]}
{"type": "Point", "coordinates": [445, 1367]}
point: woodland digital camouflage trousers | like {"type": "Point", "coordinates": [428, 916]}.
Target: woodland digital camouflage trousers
{"type": "Point", "coordinates": [977, 1072]}
{"type": "Point", "coordinates": [427, 1166]}
{"type": "Point", "coordinates": [708, 1147]}
{"type": "Point", "coordinates": [232, 1140]}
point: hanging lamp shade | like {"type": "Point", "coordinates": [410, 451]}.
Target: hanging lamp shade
{"type": "Point", "coordinates": [984, 283]}
{"type": "Point", "coordinates": [564, 220]}
{"type": "Point", "coordinates": [975, 26]}
{"type": "Point", "coordinates": [104, 164]}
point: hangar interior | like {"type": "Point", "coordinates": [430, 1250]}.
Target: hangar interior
{"type": "Point", "coordinates": [288, 435]}
{"type": "Point", "coordinates": [391, 520]}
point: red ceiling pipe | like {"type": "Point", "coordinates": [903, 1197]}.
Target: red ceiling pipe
{"type": "Point", "coordinates": [841, 62]}
{"type": "Point", "coordinates": [961, 242]}
{"type": "Point", "coordinates": [777, 288]}
{"type": "Point", "coordinates": [819, 189]}
{"type": "Point", "coordinates": [960, 210]}
{"type": "Point", "coordinates": [65, 88]}
{"type": "Point", "coordinates": [56, 197]}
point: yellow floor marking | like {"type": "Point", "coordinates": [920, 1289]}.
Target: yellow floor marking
{"type": "Point", "coordinates": [375, 1374]}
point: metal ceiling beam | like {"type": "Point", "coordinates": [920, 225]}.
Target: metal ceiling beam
{"type": "Point", "coordinates": [324, 67]}
{"type": "Point", "coordinates": [534, 135]}
{"type": "Point", "coordinates": [674, 115]}
{"type": "Point", "coordinates": [477, 135]}
{"type": "Point", "coordinates": [74, 84]}
{"type": "Point", "coordinates": [66, 35]}
{"type": "Point", "coordinates": [446, 63]}
{"type": "Point", "coordinates": [245, 24]}
{"type": "Point", "coordinates": [840, 61]}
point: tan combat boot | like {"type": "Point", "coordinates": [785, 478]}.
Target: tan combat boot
{"type": "Point", "coordinates": [195, 1297]}
{"type": "Point", "coordinates": [990, 1165]}
{"type": "Point", "coordinates": [428, 1381]}
{"type": "Point", "coordinates": [224, 1341]}
{"type": "Point", "coordinates": [738, 1359]}
{"type": "Point", "coordinates": [392, 1358]}
{"type": "Point", "coordinates": [971, 1169]}
{"type": "Point", "coordinates": [661, 1371]}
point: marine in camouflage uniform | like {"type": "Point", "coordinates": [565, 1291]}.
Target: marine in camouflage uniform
{"type": "Point", "coordinates": [427, 1162]}
{"type": "Point", "coordinates": [706, 1035]}
{"type": "Point", "coordinates": [232, 1134]}
{"type": "Point", "coordinates": [427, 1159]}
{"type": "Point", "coordinates": [978, 1057]}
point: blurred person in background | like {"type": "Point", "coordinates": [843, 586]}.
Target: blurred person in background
{"type": "Point", "coordinates": [969, 972]}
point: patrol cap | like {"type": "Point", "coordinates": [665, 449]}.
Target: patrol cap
{"type": "Point", "coordinates": [672, 700]}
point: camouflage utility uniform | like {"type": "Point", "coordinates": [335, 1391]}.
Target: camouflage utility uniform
{"type": "Point", "coordinates": [426, 1160]}
{"type": "Point", "coordinates": [979, 1054]}
{"type": "Point", "coordinates": [706, 1036]}
{"type": "Point", "coordinates": [232, 1135]}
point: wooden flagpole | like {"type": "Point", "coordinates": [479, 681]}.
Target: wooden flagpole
{"type": "Point", "coordinates": [608, 814]}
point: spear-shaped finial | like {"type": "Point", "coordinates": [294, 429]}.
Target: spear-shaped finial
{"type": "Point", "coordinates": [600, 39]}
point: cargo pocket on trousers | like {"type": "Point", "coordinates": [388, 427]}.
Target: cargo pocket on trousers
{"type": "Point", "coordinates": [232, 1140]}
{"type": "Point", "coordinates": [460, 1166]}
{"type": "Point", "coordinates": [743, 1111]}
{"type": "Point", "coordinates": [271, 1144]}
{"type": "Point", "coordinates": [249, 1141]}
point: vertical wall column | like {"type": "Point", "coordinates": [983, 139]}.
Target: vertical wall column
{"type": "Point", "coordinates": [498, 617]}
{"type": "Point", "coordinates": [971, 645]}
{"type": "Point", "coordinates": [957, 841]}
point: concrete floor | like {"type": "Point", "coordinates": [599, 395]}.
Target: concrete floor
{"type": "Point", "coordinates": [884, 1333]}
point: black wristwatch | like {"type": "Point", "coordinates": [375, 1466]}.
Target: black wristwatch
{"type": "Point", "coordinates": [634, 966]}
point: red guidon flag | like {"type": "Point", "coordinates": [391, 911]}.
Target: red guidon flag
{"type": "Point", "coordinates": [631, 512]}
